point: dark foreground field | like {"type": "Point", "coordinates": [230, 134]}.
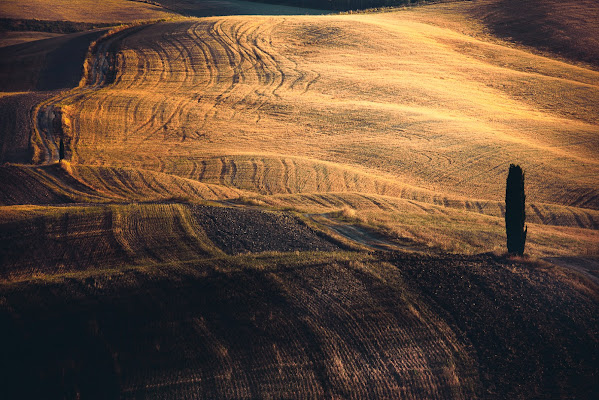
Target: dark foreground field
{"type": "Point", "coordinates": [196, 207]}
{"type": "Point", "coordinates": [304, 325]}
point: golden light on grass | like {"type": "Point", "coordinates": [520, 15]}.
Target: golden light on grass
{"type": "Point", "coordinates": [82, 10]}
{"type": "Point", "coordinates": [400, 104]}
{"type": "Point", "coordinates": [302, 206]}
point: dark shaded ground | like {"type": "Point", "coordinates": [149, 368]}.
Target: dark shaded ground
{"type": "Point", "coordinates": [240, 230]}
{"type": "Point", "coordinates": [565, 27]}
{"type": "Point", "coordinates": [36, 25]}
{"type": "Point", "coordinates": [92, 237]}
{"type": "Point", "coordinates": [44, 185]}
{"type": "Point", "coordinates": [222, 329]}
{"type": "Point", "coordinates": [535, 335]}
{"type": "Point", "coordinates": [16, 127]}
{"type": "Point", "coordinates": [48, 64]}
{"type": "Point", "coordinates": [208, 8]}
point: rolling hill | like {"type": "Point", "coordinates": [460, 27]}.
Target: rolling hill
{"type": "Point", "coordinates": [298, 206]}
{"type": "Point", "coordinates": [568, 28]}
{"type": "Point", "coordinates": [82, 10]}
{"type": "Point", "coordinates": [422, 113]}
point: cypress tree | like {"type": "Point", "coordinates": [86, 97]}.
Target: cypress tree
{"type": "Point", "coordinates": [61, 150]}
{"type": "Point", "coordinates": [515, 213]}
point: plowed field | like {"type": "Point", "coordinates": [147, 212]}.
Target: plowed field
{"type": "Point", "coordinates": [304, 327]}
{"type": "Point", "coordinates": [297, 206]}
{"type": "Point", "coordinates": [390, 104]}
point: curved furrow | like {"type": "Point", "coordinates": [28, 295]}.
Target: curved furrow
{"type": "Point", "coordinates": [262, 76]}
{"type": "Point", "coordinates": [244, 46]}
{"type": "Point", "coordinates": [261, 42]}
{"type": "Point", "coordinates": [207, 59]}
{"type": "Point", "coordinates": [347, 346]}
{"type": "Point", "coordinates": [269, 176]}
{"type": "Point", "coordinates": [160, 232]}
{"type": "Point", "coordinates": [259, 172]}
{"type": "Point", "coordinates": [111, 59]}
{"type": "Point", "coordinates": [53, 116]}
{"type": "Point", "coordinates": [202, 84]}
{"type": "Point", "coordinates": [169, 65]}
{"type": "Point", "coordinates": [231, 56]}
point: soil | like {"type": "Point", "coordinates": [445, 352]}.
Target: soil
{"type": "Point", "coordinates": [396, 326]}
{"type": "Point", "coordinates": [511, 314]}
{"type": "Point", "coordinates": [239, 230]}
{"type": "Point", "coordinates": [16, 125]}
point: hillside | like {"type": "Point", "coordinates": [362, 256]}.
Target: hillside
{"type": "Point", "coordinates": [568, 28]}
{"type": "Point", "coordinates": [241, 82]}
{"type": "Point", "coordinates": [319, 325]}
{"type": "Point", "coordinates": [82, 10]}
{"type": "Point", "coordinates": [296, 206]}
{"type": "Point", "coordinates": [380, 104]}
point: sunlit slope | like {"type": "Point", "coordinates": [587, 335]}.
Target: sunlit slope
{"type": "Point", "coordinates": [421, 104]}
{"type": "Point", "coordinates": [413, 219]}
{"type": "Point", "coordinates": [82, 10]}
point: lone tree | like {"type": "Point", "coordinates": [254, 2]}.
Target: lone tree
{"type": "Point", "coordinates": [515, 214]}
{"type": "Point", "coordinates": [61, 150]}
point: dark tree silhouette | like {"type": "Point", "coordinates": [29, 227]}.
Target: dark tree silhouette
{"type": "Point", "coordinates": [61, 150]}
{"type": "Point", "coordinates": [515, 214]}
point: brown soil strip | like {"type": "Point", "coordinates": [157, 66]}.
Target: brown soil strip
{"type": "Point", "coordinates": [240, 230]}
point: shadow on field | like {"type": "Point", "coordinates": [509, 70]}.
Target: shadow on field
{"type": "Point", "coordinates": [45, 65]}
{"type": "Point", "coordinates": [390, 326]}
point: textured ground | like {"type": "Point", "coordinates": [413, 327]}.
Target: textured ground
{"type": "Point", "coordinates": [263, 207]}
{"type": "Point", "coordinates": [568, 28]}
{"type": "Point", "coordinates": [48, 240]}
{"type": "Point", "coordinates": [394, 104]}
{"type": "Point", "coordinates": [318, 326]}
{"type": "Point", "coordinates": [82, 10]}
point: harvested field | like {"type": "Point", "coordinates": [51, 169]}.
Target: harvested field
{"type": "Point", "coordinates": [297, 206]}
{"type": "Point", "coordinates": [82, 10]}
{"type": "Point", "coordinates": [231, 83]}
{"type": "Point", "coordinates": [191, 98]}
{"type": "Point", "coordinates": [464, 228]}
{"type": "Point", "coordinates": [64, 239]}
{"type": "Point", "coordinates": [64, 183]}
{"type": "Point", "coordinates": [256, 327]}
{"type": "Point", "coordinates": [36, 240]}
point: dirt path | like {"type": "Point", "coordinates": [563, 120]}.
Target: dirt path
{"type": "Point", "coordinates": [355, 233]}
{"type": "Point", "coordinates": [362, 235]}
{"type": "Point", "coordinates": [588, 266]}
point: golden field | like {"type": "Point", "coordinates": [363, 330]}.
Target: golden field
{"type": "Point", "coordinates": [82, 10]}
{"type": "Point", "coordinates": [397, 104]}
{"type": "Point", "coordinates": [299, 206]}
